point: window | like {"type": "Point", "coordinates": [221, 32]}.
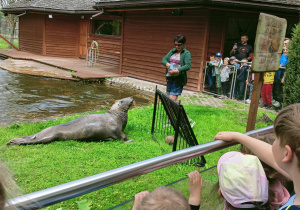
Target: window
{"type": "Point", "coordinates": [107, 27]}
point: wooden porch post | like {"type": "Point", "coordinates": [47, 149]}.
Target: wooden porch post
{"type": "Point", "coordinates": [256, 92]}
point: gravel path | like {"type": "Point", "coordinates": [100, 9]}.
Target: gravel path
{"type": "Point", "coordinates": [187, 97]}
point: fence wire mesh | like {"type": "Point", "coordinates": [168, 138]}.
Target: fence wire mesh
{"type": "Point", "coordinates": [170, 121]}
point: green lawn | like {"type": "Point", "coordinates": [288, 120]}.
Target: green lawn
{"type": "Point", "coordinates": [37, 167]}
{"type": "Point", "coordinates": [4, 44]}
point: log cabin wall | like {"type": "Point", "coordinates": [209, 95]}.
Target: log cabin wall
{"type": "Point", "coordinates": [31, 28]}
{"type": "Point", "coordinates": [216, 33]}
{"type": "Point", "coordinates": [62, 36]}
{"type": "Point", "coordinates": [109, 49]}
{"type": "Point", "coordinates": [109, 46]}
{"type": "Point", "coordinates": [148, 37]}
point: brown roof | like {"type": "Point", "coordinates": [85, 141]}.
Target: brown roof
{"type": "Point", "coordinates": [84, 6]}
{"type": "Point", "coordinates": [159, 3]}
{"type": "Point", "coordinates": [63, 6]}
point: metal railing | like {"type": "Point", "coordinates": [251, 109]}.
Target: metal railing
{"type": "Point", "coordinates": [79, 187]}
{"type": "Point", "coordinates": [232, 81]}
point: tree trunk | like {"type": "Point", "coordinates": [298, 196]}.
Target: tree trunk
{"type": "Point", "coordinates": [12, 34]}
{"type": "Point", "coordinates": [12, 21]}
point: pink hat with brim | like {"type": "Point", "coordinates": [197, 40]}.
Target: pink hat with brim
{"type": "Point", "coordinates": [242, 180]}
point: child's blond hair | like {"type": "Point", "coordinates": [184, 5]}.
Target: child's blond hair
{"type": "Point", "coordinates": [164, 198]}
{"type": "Point", "coordinates": [287, 128]}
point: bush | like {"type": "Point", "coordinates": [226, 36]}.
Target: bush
{"type": "Point", "coordinates": [292, 80]}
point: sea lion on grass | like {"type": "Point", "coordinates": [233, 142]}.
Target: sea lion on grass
{"type": "Point", "coordinates": [106, 126]}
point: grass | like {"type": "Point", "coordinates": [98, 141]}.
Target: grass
{"type": "Point", "coordinates": [41, 166]}
{"type": "Point", "coordinates": [5, 45]}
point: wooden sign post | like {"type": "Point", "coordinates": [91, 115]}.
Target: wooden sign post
{"type": "Point", "coordinates": [270, 34]}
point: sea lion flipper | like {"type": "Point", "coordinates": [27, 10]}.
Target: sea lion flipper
{"type": "Point", "coordinates": [19, 140]}
{"type": "Point", "coordinates": [129, 140]}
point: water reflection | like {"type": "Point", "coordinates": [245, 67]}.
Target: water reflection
{"type": "Point", "coordinates": [25, 98]}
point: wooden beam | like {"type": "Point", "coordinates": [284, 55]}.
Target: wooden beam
{"type": "Point", "coordinates": [143, 9]}
{"type": "Point", "coordinates": [204, 52]}
{"type": "Point", "coordinates": [122, 43]}
{"type": "Point", "coordinates": [10, 43]}
{"type": "Point", "coordinates": [256, 92]}
{"type": "Point", "coordinates": [44, 37]}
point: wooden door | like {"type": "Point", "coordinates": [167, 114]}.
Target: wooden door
{"type": "Point", "coordinates": [83, 32]}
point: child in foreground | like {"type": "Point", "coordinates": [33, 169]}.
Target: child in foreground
{"type": "Point", "coordinates": [242, 182]}
{"type": "Point", "coordinates": [278, 194]}
{"type": "Point", "coordinates": [284, 154]}
{"type": "Point", "coordinates": [167, 198]}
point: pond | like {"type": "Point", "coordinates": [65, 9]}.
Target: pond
{"type": "Point", "coordinates": [26, 98]}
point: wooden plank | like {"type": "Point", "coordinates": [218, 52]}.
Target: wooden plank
{"type": "Point", "coordinates": [31, 33]}
{"type": "Point", "coordinates": [62, 36]}
{"type": "Point", "coordinates": [154, 75]}
{"type": "Point", "coordinates": [109, 49]}
{"type": "Point", "coordinates": [148, 37]}
{"type": "Point", "coordinates": [256, 92]}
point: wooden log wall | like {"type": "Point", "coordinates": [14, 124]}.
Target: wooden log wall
{"type": "Point", "coordinates": [62, 36]}
{"type": "Point", "coordinates": [216, 33]}
{"type": "Point", "coordinates": [31, 28]}
{"type": "Point", "coordinates": [149, 35]}
{"type": "Point", "coordinates": [109, 49]}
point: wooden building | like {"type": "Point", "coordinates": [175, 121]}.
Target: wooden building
{"type": "Point", "coordinates": [136, 34]}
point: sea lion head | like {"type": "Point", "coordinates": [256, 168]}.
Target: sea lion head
{"type": "Point", "coordinates": [122, 105]}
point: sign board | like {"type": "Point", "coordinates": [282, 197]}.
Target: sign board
{"type": "Point", "coordinates": [270, 34]}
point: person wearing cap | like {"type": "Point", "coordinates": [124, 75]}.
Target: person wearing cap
{"type": "Point", "coordinates": [242, 181]}
{"type": "Point", "coordinates": [218, 65]}
{"type": "Point", "coordinates": [242, 50]}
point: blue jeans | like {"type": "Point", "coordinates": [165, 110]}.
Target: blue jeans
{"type": "Point", "coordinates": [240, 88]}
{"type": "Point", "coordinates": [173, 88]}
{"type": "Point", "coordinates": [211, 83]}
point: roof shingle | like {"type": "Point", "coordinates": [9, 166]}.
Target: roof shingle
{"type": "Point", "coordinates": [87, 5]}
{"type": "Point", "coordinates": [64, 5]}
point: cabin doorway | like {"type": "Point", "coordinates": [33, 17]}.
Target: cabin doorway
{"type": "Point", "coordinates": [83, 32]}
{"type": "Point", "coordinates": [236, 27]}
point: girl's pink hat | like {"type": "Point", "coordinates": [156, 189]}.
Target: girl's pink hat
{"type": "Point", "coordinates": [242, 180]}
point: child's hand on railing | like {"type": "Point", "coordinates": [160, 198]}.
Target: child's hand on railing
{"type": "Point", "coordinates": [195, 187]}
{"type": "Point", "coordinates": [138, 198]}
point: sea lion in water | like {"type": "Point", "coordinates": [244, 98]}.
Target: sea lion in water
{"type": "Point", "coordinates": [106, 126]}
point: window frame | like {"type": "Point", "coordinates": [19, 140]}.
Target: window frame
{"type": "Point", "coordinates": [106, 18]}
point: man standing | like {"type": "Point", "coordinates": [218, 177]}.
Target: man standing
{"type": "Point", "coordinates": [242, 50]}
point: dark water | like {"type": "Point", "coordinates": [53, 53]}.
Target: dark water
{"type": "Point", "coordinates": [25, 98]}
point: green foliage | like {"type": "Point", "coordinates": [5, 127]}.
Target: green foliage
{"type": "Point", "coordinates": [40, 166]}
{"type": "Point", "coordinates": [292, 79]}
{"type": "Point", "coordinates": [84, 205]}
{"type": "Point", "coordinates": [5, 45]}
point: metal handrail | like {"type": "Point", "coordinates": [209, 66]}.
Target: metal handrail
{"type": "Point", "coordinates": [79, 187]}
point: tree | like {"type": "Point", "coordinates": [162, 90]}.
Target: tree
{"type": "Point", "coordinates": [10, 18]}
{"type": "Point", "coordinates": [291, 89]}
